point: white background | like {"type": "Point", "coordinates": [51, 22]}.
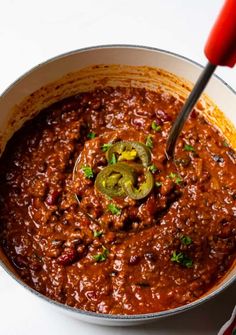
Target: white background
{"type": "Point", "coordinates": [33, 31]}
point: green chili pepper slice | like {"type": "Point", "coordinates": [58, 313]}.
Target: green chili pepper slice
{"type": "Point", "coordinates": [143, 189]}
{"type": "Point", "coordinates": [129, 151]}
{"type": "Point", "coordinates": [111, 179]}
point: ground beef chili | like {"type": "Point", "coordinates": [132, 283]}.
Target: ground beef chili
{"type": "Point", "coordinates": [117, 255]}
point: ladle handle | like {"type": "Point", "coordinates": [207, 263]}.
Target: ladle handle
{"type": "Point", "coordinates": [220, 48]}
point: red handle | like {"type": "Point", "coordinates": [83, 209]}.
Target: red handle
{"type": "Point", "coordinates": [220, 48]}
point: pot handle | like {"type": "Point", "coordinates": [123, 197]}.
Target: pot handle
{"type": "Point", "coordinates": [220, 48]}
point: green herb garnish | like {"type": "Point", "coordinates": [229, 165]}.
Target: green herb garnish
{"type": "Point", "coordinates": [149, 141]}
{"type": "Point", "coordinates": [106, 146]}
{"type": "Point", "coordinates": [158, 183]}
{"type": "Point", "coordinates": [225, 144]}
{"type": "Point", "coordinates": [156, 126]}
{"type": "Point", "coordinates": [91, 135]}
{"type": "Point", "coordinates": [102, 256]}
{"type": "Point", "coordinates": [152, 168]}
{"type": "Point", "coordinates": [97, 233]}
{"type": "Point", "coordinates": [113, 159]}
{"type": "Point", "coordinates": [181, 258]}
{"type": "Point", "coordinates": [186, 240]}
{"type": "Point", "coordinates": [114, 209]}
{"type": "Point", "coordinates": [88, 172]}
{"type": "Point", "coordinates": [188, 147]}
{"type": "Point", "coordinates": [175, 177]}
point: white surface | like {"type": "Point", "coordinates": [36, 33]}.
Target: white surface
{"type": "Point", "coordinates": [31, 32]}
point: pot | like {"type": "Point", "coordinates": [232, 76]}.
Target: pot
{"type": "Point", "coordinates": [122, 65]}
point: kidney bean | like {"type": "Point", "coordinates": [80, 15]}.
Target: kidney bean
{"type": "Point", "coordinates": [139, 122]}
{"type": "Point", "coordinates": [162, 116]}
{"type": "Point", "coordinates": [134, 260]}
{"type": "Point", "coordinates": [150, 256]}
{"type": "Point", "coordinates": [21, 261]}
{"type": "Point", "coordinates": [35, 266]}
{"type": "Point", "coordinates": [194, 114]}
{"type": "Point", "coordinates": [68, 256]}
{"type": "Point", "coordinates": [91, 295]}
{"type": "Point", "coordinates": [53, 252]}
{"type": "Point", "coordinates": [95, 104]}
{"type": "Point", "coordinates": [52, 197]}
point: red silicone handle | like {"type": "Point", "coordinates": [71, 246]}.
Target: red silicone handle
{"type": "Point", "coordinates": [220, 48]}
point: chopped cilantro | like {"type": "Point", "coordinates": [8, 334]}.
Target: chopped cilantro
{"type": "Point", "coordinates": [97, 233]}
{"type": "Point", "coordinates": [88, 172]}
{"type": "Point", "coordinates": [149, 141]}
{"type": "Point", "coordinates": [106, 147]}
{"type": "Point", "coordinates": [188, 147]}
{"type": "Point", "coordinates": [102, 256]}
{"type": "Point", "coordinates": [152, 168]}
{"type": "Point", "coordinates": [156, 126]}
{"type": "Point", "coordinates": [175, 177]}
{"type": "Point", "coordinates": [186, 240]}
{"type": "Point", "coordinates": [225, 143]}
{"type": "Point", "coordinates": [91, 135]}
{"type": "Point", "coordinates": [158, 183]}
{"type": "Point", "coordinates": [114, 209]}
{"type": "Point", "coordinates": [181, 258]}
{"type": "Point", "coordinates": [113, 159]}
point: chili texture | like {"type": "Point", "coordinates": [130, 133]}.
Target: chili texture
{"type": "Point", "coordinates": [136, 255]}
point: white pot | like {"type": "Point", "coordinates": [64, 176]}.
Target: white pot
{"type": "Point", "coordinates": [65, 75]}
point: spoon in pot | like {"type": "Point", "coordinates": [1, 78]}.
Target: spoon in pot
{"type": "Point", "coordinates": [220, 49]}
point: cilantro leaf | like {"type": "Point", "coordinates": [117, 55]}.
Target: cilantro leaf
{"type": "Point", "coordinates": [102, 256]}
{"type": "Point", "coordinates": [152, 168]}
{"type": "Point", "coordinates": [175, 177]}
{"type": "Point", "coordinates": [158, 183]}
{"type": "Point", "coordinates": [106, 146]}
{"type": "Point", "coordinates": [186, 240]}
{"type": "Point", "coordinates": [88, 172]}
{"type": "Point", "coordinates": [182, 259]}
{"type": "Point", "coordinates": [114, 209]}
{"type": "Point", "coordinates": [225, 143]}
{"type": "Point", "coordinates": [91, 135]}
{"type": "Point", "coordinates": [188, 147]}
{"type": "Point", "coordinates": [149, 141]}
{"type": "Point", "coordinates": [156, 127]}
{"type": "Point", "coordinates": [97, 233]}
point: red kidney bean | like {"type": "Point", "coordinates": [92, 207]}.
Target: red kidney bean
{"type": "Point", "coordinates": [21, 262]}
{"type": "Point", "coordinates": [162, 116]}
{"type": "Point", "coordinates": [52, 197]}
{"type": "Point", "coordinates": [134, 260]}
{"type": "Point", "coordinates": [138, 122]}
{"type": "Point", "coordinates": [35, 266]}
{"type": "Point", "coordinates": [150, 256]}
{"type": "Point", "coordinates": [95, 104]}
{"type": "Point", "coordinates": [194, 114]}
{"type": "Point", "coordinates": [67, 257]}
{"type": "Point", "coordinates": [91, 295]}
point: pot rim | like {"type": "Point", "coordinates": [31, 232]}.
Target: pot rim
{"type": "Point", "coordinates": [116, 317]}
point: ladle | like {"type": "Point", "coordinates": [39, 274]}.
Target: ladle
{"type": "Point", "coordinates": [220, 49]}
